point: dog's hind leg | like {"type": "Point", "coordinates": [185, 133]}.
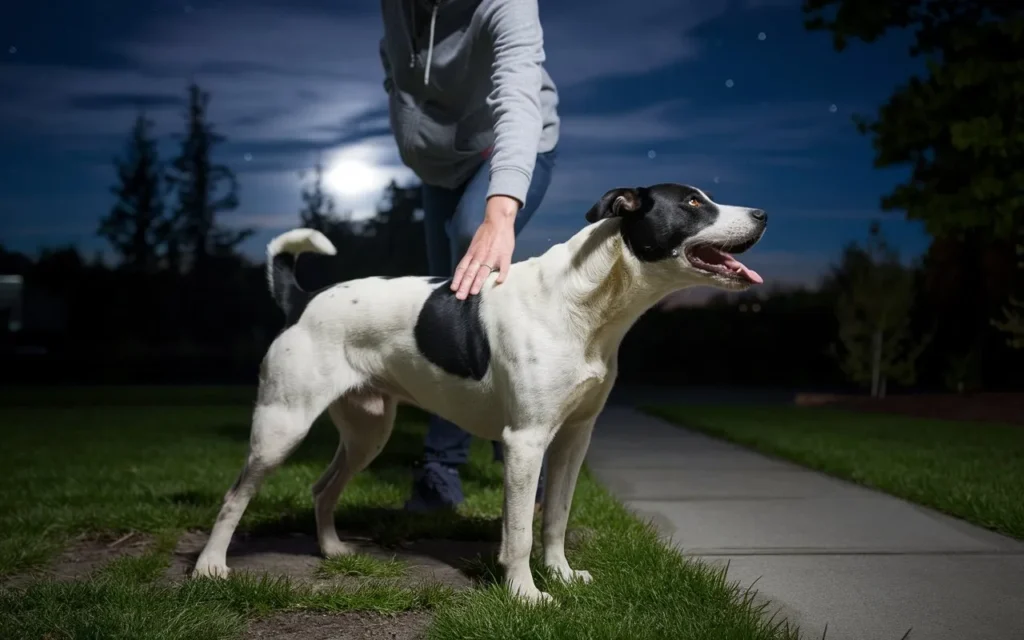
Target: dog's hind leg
{"type": "Point", "coordinates": [565, 457]}
{"type": "Point", "coordinates": [291, 396]}
{"type": "Point", "coordinates": [364, 421]}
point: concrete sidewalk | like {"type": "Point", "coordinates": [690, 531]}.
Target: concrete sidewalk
{"type": "Point", "coordinates": [823, 551]}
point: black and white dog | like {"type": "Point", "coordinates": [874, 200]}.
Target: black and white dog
{"type": "Point", "coordinates": [529, 362]}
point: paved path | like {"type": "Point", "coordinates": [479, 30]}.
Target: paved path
{"type": "Point", "coordinates": [822, 550]}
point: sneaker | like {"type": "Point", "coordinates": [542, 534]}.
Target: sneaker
{"type": "Point", "coordinates": [435, 487]}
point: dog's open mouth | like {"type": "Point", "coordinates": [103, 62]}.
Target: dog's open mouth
{"type": "Point", "coordinates": [716, 261]}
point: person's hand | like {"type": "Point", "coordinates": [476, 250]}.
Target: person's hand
{"type": "Point", "coordinates": [492, 247]}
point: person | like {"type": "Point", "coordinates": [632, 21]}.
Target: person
{"type": "Point", "coordinates": [474, 115]}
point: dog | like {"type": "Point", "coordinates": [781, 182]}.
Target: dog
{"type": "Point", "coordinates": [529, 362]}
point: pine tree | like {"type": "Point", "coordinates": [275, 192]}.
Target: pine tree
{"type": "Point", "coordinates": [203, 190]}
{"type": "Point", "coordinates": [136, 225]}
{"type": "Point", "coordinates": [318, 208]}
{"type": "Point", "coordinates": [873, 311]}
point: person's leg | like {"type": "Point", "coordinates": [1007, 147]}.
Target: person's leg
{"type": "Point", "coordinates": [436, 483]}
{"type": "Point", "coordinates": [469, 214]}
{"type": "Point", "coordinates": [452, 217]}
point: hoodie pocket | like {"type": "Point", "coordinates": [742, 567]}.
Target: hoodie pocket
{"type": "Point", "coordinates": [473, 133]}
{"type": "Point", "coordinates": [404, 119]}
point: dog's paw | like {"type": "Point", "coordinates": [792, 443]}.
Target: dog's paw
{"type": "Point", "coordinates": [579, 575]}
{"type": "Point", "coordinates": [210, 570]}
{"type": "Point", "coordinates": [335, 548]}
{"type": "Point", "coordinates": [535, 596]}
{"type": "Point", "coordinates": [529, 593]}
{"type": "Point", "coordinates": [566, 574]}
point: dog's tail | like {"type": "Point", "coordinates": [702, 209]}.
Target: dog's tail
{"type": "Point", "coordinates": [282, 252]}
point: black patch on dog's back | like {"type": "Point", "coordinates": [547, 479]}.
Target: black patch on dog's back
{"type": "Point", "coordinates": [450, 334]}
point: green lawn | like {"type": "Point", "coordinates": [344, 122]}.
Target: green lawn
{"type": "Point", "coordinates": [974, 471]}
{"type": "Point", "coordinates": [157, 462]}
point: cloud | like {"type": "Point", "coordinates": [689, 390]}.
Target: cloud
{"type": "Point", "coordinates": [579, 179]}
{"type": "Point", "coordinates": [757, 4]}
{"type": "Point", "coordinates": [289, 83]}
{"type": "Point", "coordinates": [301, 73]}
{"type": "Point", "coordinates": [768, 126]}
{"type": "Point", "coordinates": [598, 39]}
{"type": "Point", "coordinates": [119, 101]}
{"type": "Point", "coordinates": [825, 213]}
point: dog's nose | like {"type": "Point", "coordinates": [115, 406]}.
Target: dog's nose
{"type": "Point", "coordinates": [759, 215]}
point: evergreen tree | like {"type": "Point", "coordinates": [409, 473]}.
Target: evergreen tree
{"type": "Point", "coordinates": [318, 208]}
{"type": "Point", "coordinates": [136, 225]}
{"type": "Point", "coordinates": [203, 190]}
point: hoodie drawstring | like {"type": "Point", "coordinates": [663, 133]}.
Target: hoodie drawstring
{"type": "Point", "coordinates": [430, 45]}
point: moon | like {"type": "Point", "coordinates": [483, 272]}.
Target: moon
{"type": "Point", "coordinates": [352, 178]}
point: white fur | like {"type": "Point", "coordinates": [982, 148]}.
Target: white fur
{"type": "Point", "coordinates": [554, 328]}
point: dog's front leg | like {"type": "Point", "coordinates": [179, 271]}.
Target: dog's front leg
{"type": "Point", "coordinates": [565, 458]}
{"type": "Point", "coordinates": [524, 453]}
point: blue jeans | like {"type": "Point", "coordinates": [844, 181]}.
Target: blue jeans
{"type": "Point", "coordinates": [451, 218]}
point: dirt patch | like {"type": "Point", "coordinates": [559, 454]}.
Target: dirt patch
{"type": "Point", "coordinates": [85, 555]}
{"type": "Point", "coordinates": [297, 556]}
{"type": "Point", "coordinates": [346, 626]}
{"type": "Point", "coordinates": [1007, 408]}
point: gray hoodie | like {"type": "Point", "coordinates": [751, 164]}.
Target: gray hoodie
{"type": "Point", "coordinates": [465, 80]}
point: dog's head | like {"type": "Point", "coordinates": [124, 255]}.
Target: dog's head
{"type": "Point", "coordinates": [680, 230]}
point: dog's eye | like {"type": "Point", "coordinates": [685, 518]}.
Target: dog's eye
{"type": "Point", "coordinates": [694, 202]}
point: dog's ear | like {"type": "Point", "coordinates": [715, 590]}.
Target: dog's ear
{"type": "Point", "coordinates": [617, 202]}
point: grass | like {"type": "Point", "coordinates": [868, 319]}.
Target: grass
{"type": "Point", "coordinates": [157, 462]}
{"type": "Point", "coordinates": [974, 471]}
{"type": "Point", "coordinates": [362, 565]}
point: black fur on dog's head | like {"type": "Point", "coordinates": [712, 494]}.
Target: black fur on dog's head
{"type": "Point", "coordinates": [680, 222]}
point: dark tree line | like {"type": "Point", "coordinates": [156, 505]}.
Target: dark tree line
{"type": "Point", "coordinates": [182, 302]}
{"type": "Point", "coordinates": [149, 233]}
{"type": "Point", "coordinates": [185, 305]}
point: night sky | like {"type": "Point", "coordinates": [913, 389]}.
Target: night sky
{"type": "Point", "coordinates": [732, 96]}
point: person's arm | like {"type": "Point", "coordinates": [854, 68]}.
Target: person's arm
{"type": "Point", "coordinates": [388, 82]}
{"type": "Point", "coordinates": [518, 44]}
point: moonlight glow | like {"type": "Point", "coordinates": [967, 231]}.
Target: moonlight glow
{"type": "Point", "coordinates": [352, 178]}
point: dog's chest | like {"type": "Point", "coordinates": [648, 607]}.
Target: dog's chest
{"type": "Point", "coordinates": [584, 398]}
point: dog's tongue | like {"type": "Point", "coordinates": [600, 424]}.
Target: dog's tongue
{"type": "Point", "coordinates": [741, 268]}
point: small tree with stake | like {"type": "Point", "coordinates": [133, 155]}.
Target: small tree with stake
{"type": "Point", "coordinates": [873, 312]}
{"type": "Point", "coordinates": [136, 226]}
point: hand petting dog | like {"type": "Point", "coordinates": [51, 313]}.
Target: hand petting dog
{"type": "Point", "coordinates": [491, 248]}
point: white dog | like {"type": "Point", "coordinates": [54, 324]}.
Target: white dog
{"type": "Point", "coordinates": [529, 362]}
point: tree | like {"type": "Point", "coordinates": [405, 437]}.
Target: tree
{"type": "Point", "coordinates": [203, 188]}
{"type": "Point", "coordinates": [1012, 322]}
{"type": "Point", "coordinates": [958, 127]}
{"type": "Point", "coordinates": [398, 231]}
{"type": "Point", "coordinates": [873, 311]}
{"type": "Point", "coordinates": [318, 209]}
{"type": "Point", "coordinates": [136, 226]}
